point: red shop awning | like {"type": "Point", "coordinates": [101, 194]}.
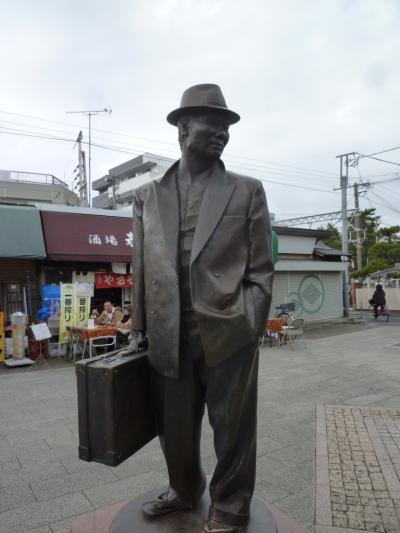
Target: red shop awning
{"type": "Point", "coordinates": [85, 237]}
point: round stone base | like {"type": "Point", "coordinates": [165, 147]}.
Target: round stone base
{"type": "Point", "coordinates": [127, 517]}
{"type": "Point", "coordinates": [131, 518]}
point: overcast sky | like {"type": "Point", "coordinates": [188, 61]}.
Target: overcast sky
{"type": "Point", "coordinates": [310, 79]}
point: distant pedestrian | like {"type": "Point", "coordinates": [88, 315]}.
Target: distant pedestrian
{"type": "Point", "coordinates": [378, 299]}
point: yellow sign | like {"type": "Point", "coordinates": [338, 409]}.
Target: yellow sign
{"type": "Point", "coordinates": [82, 310]}
{"type": "Point", "coordinates": [67, 310]}
{"type": "Point", "coordinates": [2, 338]}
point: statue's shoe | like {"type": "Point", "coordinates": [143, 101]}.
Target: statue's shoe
{"type": "Point", "coordinates": [211, 526]}
{"type": "Point", "coordinates": [164, 504]}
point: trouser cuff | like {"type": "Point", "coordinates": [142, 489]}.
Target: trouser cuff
{"type": "Point", "coordinates": [230, 519]}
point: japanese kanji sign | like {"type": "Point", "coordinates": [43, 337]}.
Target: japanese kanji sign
{"type": "Point", "coordinates": [67, 309]}
{"type": "Point", "coordinates": [82, 311]}
{"type": "Point", "coordinates": [87, 237]}
{"type": "Point", "coordinates": [108, 281]}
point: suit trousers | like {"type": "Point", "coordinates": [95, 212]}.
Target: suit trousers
{"type": "Point", "coordinates": [230, 392]}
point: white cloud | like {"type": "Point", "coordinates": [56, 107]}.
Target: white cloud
{"type": "Point", "coordinates": [310, 79]}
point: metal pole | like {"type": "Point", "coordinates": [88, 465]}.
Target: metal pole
{"type": "Point", "coordinates": [82, 184]}
{"type": "Point", "coordinates": [358, 229]}
{"type": "Point", "coordinates": [84, 178]}
{"type": "Point", "coordinates": [90, 113]}
{"type": "Point", "coordinates": [344, 180]}
{"type": "Point", "coordinates": [90, 159]}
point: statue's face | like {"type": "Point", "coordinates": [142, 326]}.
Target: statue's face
{"type": "Point", "coordinates": [206, 136]}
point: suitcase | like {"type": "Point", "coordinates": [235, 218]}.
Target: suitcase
{"type": "Point", "coordinates": [115, 415]}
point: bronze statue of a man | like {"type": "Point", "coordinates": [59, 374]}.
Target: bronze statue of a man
{"type": "Point", "coordinates": [202, 272]}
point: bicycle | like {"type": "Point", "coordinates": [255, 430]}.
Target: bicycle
{"type": "Point", "coordinates": [285, 311]}
{"type": "Point", "coordinates": [383, 313]}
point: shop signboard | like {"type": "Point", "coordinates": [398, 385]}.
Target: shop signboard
{"type": "Point", "coordinates": [71, 236]}
{"type": "Point", "coordinates": [67, 310]}
{"type": "Point", "coordinates": [112, 281]}
{"type": "Point", "coordinates": [82, 311]}
{"type": "Point", "coordinates": [2, 338]}
{"type": "Point", "coordinates": [84, 288]}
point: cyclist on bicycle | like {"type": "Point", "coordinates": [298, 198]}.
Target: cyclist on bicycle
{"type": "Point", "coordinates": [378, 299]}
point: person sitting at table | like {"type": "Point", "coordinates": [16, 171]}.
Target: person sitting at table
{"type": "Point", "coordinates": [125, 325]}
{"type": "Point", "coordinates": [111, 316]}
{"type": "Point", "coordinates": [94, 313]}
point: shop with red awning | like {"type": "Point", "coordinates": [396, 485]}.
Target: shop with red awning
{"type": "Point", "coordinates": [81, 237]}
{"type": "Point", "coordinates": [90, 245]}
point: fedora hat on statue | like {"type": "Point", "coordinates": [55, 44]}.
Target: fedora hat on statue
{"type": "Point", "coordinates": [205, 97]}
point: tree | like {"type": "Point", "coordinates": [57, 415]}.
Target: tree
{"type": "Point", "coordinates": [374, 265]}
{"type": "Point", "coordinates": [369, 224]}
{"type": "Point", "coordinates": [386, 251]}
{"type": "Point", "coordinates": [389, 233]}
{"type": "Point", "coordinates": [335, 238]}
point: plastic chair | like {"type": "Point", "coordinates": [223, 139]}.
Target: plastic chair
{"type": "Point", "coordinates": [293, 331]}
{"type": "Point", "coordinates": [108, 341]}
{"type": "Point", "coordinates": [273, 328]}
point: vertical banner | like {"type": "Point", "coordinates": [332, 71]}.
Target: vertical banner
{"type": "Point", "coordinates": [2, 338]}
{"type": "Point", "coordinates": [82, 311]}
{"type": "Point", "coordinates": [67, 309]}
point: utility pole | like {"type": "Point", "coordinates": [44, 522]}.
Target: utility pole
{"type": "Point", "coordinates": [344, 182]}
{"type": "Point", "coordinates": [90, 113]}
{"type": "Point", "coordinates": [82, 172]}
{"type": "Point", "coordinates": [359, 239]}
{"type": "Point", "coordinates": [359, 189]}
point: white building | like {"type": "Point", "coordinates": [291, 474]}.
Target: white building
{"type": "Point", "coordinates": [115, 189]}
{"type": "Point", "coordinates": [308, 273]}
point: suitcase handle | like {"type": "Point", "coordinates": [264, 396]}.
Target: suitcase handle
{"type": "Point", "coordinates": [118, 354]}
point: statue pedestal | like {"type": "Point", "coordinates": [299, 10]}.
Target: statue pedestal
{"type": "Point", "coordinates": [127, 517]}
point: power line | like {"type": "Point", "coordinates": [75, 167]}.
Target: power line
{"type": "Point", "coordinates": [154, 141]}
{"type": "Point", "coordinates": [389, 191]}
{"type": "Point", "coordinates": [381, 152]}
{"type": "Point", "coordinates": [63, 139]}
{"type": "Point", "coordinates": [379, 159]}
{"type": "Point", "coordinates": [113, 147]}
{"type": "Point", "coordinates": [298, 174]}
{"type": "Point", "coordinates": [297, 186]}
{"type": "Point", "coordinates": [386, 203]}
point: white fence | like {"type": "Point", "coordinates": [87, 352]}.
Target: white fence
{"type": "Point", "coordinates": [392, 298]}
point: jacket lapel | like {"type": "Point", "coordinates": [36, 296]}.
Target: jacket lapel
{"type": "Point", "coordinates": [167, 202]}
{"type": "Point", "coordinates": [215, 200]}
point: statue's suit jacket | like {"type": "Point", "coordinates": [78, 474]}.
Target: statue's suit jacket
{"type": "Point", "coordinates": [231, 267]}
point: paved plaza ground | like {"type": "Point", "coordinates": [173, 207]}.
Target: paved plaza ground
{"type": "Point", "coordinates": [43, 484]}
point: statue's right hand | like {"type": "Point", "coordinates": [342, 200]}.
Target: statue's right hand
{"type": "Point", "coordinates": [136, 340]}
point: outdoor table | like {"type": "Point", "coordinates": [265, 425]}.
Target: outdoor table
{"type": "Point", "coordinates": [87, 335]}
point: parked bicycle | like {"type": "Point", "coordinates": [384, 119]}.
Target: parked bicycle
{"type": "Point", "coordinates": [285, 311]}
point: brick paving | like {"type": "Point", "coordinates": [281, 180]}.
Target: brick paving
{"type": "Point", "coordinates": [357, 469]}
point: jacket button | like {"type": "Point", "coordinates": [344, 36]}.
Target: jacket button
{"type": "Point", "coordinates": [228, 300]}
{"type": "Point", "coordinates": [217, 274]}
{"type": "Point", "coordinates": [154, 281]}
{"type": "Point", "coordinates": [152, 311]}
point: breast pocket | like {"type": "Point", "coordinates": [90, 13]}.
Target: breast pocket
{"type": "Point", "coordinates": [226, 251]}
{"type": "Point", "coordinates": [232, 231]}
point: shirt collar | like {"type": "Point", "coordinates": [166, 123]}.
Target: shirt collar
{"type": "Point", "coordinates": [183, 172]}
